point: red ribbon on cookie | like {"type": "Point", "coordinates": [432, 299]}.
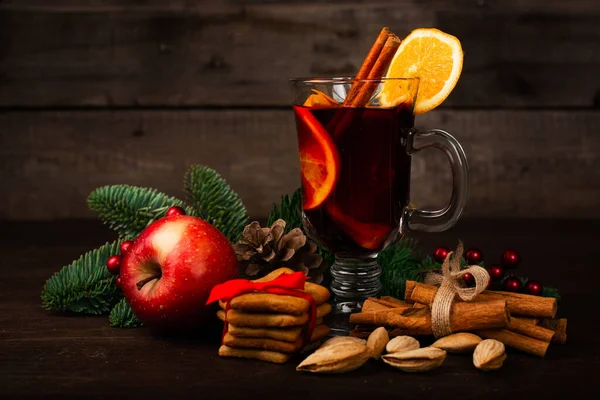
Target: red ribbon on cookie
{"type": "Point", "coordinates": [285, 284]}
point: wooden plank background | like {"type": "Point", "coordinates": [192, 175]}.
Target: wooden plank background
{"type": "Point", "coordinates": [101, 92]}
{"type": "Point", "coordinates": [528, 53]}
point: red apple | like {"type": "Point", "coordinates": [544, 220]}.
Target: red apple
{"type": "Point", "coordinates": [170, 269]}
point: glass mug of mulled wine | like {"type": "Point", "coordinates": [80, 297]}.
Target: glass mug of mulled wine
{"type": "Point", "coordinates": [355, 159]}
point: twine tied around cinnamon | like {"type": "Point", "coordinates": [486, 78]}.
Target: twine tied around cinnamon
{"type": "Point", "coordinates": [452, 283]}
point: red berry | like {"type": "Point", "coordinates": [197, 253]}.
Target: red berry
{"type": "Point", "coordinates": [534, 287]}
{"type": "Point", "coordinates": [125, 247]}
{"type": "Point", "coordinates": [512, 284]}
{"type": "Point", "coordinates": [118, 282]}
{"type": "Point", "coordinates": [510, 258]}
{"type": "Point", "coordinates": [473, 256]}
{"type": "Point", "coordinates": [496, 272]}
{"type": "Point", "coordinates": [469, 279]}
{"type": "Point", "coordinates": [440, 254]}
{"type": "Point", "coordinates": [114, 264]}
{"type": "Point", "coordinates": [175, 210]}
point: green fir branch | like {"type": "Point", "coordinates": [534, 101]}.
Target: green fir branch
{"type": "Point", "coordinates": [400, 262]}
{"type": "Point", "coordinates": [397, 265]}
{"type": "Point", "coordinates": [551, 292]}
{"type": "Point", "coordinates": [428, 263]}
{"type": "Point", "coordinates": [84, 286]}
{"type": "Point", "coordinates": [122, 316]}
{"type": "Point", "coordinates": [289, 210]}
{"type": "Point", "coordinates": [215, 201]}
{"type": "Point", "coordinates": [130, 209]}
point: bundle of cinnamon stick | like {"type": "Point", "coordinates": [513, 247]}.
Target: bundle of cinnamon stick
{"type": "Point", "coordinates": [520, 321]}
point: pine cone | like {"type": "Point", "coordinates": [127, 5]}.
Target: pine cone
{"type": "Point", "coordinates": [262, 250]}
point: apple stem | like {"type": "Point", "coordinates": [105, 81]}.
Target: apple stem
{"type": "Point", "coordinates": [141, 283]}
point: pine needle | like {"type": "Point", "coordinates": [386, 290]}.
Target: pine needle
{"type": "Point", "coordinates": [122, 316]}
{"type": "Point", "coordinates": [289, 209]}
{"type": "Point", "coordinates": [130, 209]}
{"type": "Point", "coordinates": [215, 201]}
{"type": "Point", "coordinates": [397, 265]}
{"type": "Point", "coordinates": [84, 286]}
{"type": "Point", "coordinates": [551, 292]}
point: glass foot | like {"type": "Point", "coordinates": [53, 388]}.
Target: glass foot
{"type": "Point", "coordinates": [339, 324]}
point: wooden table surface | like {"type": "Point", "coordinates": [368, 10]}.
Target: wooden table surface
{"type": "Point", "coordinates": [46, 355]}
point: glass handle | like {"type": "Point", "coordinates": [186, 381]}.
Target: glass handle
{"type": "Point", "coordinates": [445, 218]}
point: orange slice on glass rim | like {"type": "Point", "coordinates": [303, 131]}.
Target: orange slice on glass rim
{"type": "Point", "coordinates": [319, 160]}
{"type": "Point", "coordinates": [435, 57]}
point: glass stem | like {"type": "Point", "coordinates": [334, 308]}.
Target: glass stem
{"type": "Point", "coordinates": [354, 280]}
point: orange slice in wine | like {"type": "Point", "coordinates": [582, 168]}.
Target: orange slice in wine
{"type": "Point", "coordinates": [319, 159]}
{"type": "Point", "coordinates": [366, 235]}
{"type": "Point", "coordinates": [320, 99]}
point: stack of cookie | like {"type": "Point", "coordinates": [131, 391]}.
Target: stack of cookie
{"type": "Point", "coordinates": [271, 327]}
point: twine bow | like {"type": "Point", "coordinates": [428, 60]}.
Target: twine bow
{"type": "Point", "coordinates": [286, 284]}
{"type": "Point", "coordinates": [452, 283]}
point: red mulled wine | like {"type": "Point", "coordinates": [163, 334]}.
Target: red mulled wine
{"type": "Point", "coordinates": [356, 175]}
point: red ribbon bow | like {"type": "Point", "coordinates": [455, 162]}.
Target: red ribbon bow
{"type": "Point", "coordinates": [285, 284]}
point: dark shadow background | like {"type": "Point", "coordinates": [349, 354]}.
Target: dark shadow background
{"type": "Point", "coordinates": [98, 92]}
{"type": "Point", "coordinates": [105, 92]}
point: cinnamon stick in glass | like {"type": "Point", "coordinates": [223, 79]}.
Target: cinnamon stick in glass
{"type": "Point", "coordinates": [367, 65]}
{"type": "Point", "coordinates": [381, 65]}
{"type": "Point", "coordinates": [516, 341]}
{"type": "Point", "coordinates": [373, 68]}
{"type": "Point", "coordinates": [518, 304]}
{"type": "Point", "coordinates": [417, 321]}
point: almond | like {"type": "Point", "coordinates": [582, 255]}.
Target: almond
{"type": "Point", "coordinates": [419, 360]}
{"type": "Point", "coordinates": [337, 355]}
{"type": "Point", "coordinates": [489, 355]}
{"type": "Point", "coordinates": [401, 344]}
{"type": "Point", "coordinates": [344, 339]}
{"type": "Point", "coordinates": [458, 342]}
{"type": "Point", "coordinates": [377, 341]}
